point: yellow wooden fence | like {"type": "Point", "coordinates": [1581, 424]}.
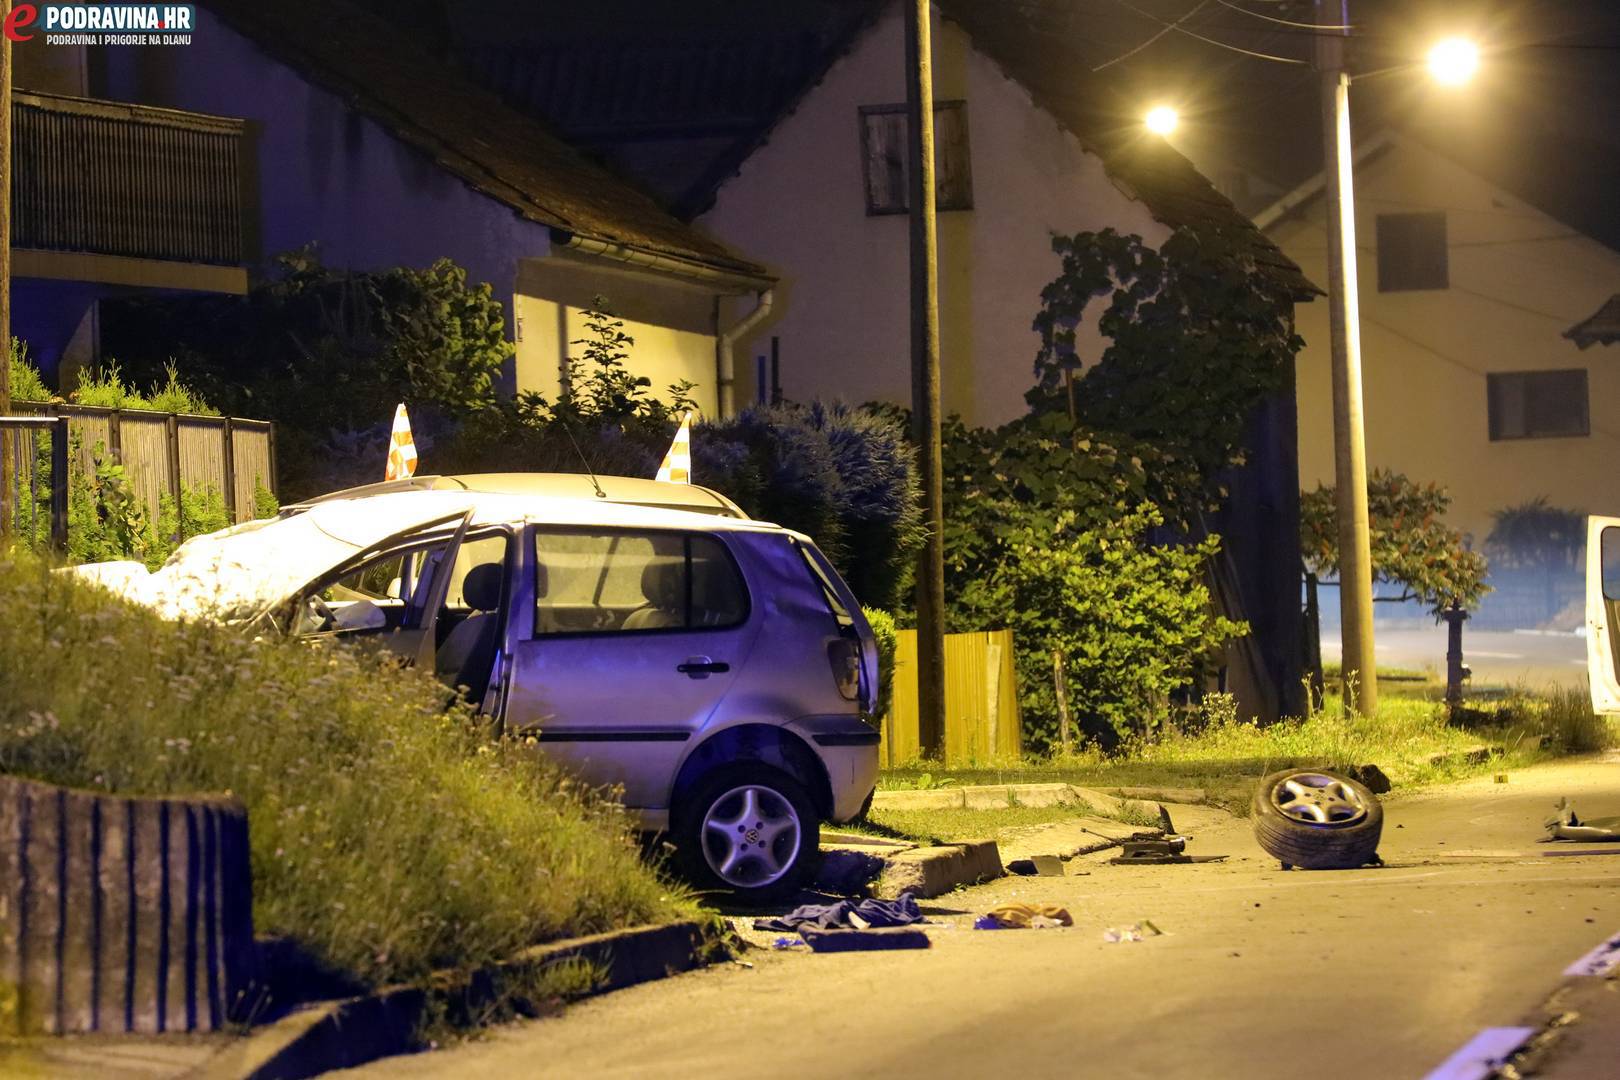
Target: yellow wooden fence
{"type": "Point", "coordinates": [981, 700]}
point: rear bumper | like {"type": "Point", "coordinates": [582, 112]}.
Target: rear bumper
{"type": "Point", "coordinates": [848, 749]}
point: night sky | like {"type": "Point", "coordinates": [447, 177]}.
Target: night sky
{"type": "Point", "coordinates": [1542, 118]}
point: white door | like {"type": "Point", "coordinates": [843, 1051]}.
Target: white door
{"type": "Point", "coordinates": [1603, 613]}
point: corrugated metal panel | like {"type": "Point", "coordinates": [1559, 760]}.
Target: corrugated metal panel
{"type": "Point", "coordinates": [202, 452]}
{"type": "Point", "coordinates": [116, 179]}
{"type": "Point", "coordinates": [252, 452]}
{"type": "Point", "coordinates": [982, 721]}
{"type": "Point", "coordinates": [145, 440]}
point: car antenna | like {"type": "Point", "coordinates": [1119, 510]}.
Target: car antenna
{"type": "Point", "coordinates": [600, 494]}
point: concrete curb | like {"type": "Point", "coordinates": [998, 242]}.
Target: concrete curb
{"type": "Point", "coordinates": [1180, 796]}
{"type": "Point", "coordinates": [343, 1034]}
{"type": "Point", "coordinates": [1002, 796]}
{"type": "Point", "coordinates": [934, 871]}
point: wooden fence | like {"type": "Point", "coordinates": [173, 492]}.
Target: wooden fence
{"type": "Point", "coordinates": [982, 722]}
{"type": "Point", "coordinates": [163, 452]}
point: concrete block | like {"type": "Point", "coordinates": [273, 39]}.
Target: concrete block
{"type": "Point", "coordinates": [122, 915]}
{"type": "Point", "coordinates": [934, 871]}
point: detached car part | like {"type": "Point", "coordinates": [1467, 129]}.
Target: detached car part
{"type": "Point", "coordinates": [1317, 820]}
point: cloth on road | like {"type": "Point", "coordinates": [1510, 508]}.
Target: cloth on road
{"type": "Point", "coordinates": [1021, 916]}
{"type": "Point", "coordinates": [847, 914]}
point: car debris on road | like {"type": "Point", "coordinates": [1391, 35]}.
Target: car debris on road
{"type": "Point", "coordinates": [1154, 849]}
{"type": "Point", "coordinates": [1565, 825]}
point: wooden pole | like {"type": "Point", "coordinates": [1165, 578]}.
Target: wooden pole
{"type": "Point", "coordinates": [925, 380]}
{"type": "Point", "coordinates": [8, 467]}
{"type": "Point", "coordinates": [1061, 685]}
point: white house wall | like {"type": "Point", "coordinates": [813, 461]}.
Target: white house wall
{"type": "Point", "coordinates": [1518, 280]}
{"type": "Point", "coordinates": [798, 205]}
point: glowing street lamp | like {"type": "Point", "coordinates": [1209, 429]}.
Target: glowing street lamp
{"type": "Point", "coordinates": [1162, 120]}
{"type": "Point", "coordinates": [1453, 61]}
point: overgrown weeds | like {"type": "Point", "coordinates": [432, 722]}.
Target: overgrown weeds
{"type": "Point", "coordinates": [390, 837]}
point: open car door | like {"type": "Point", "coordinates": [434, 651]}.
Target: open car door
{"type": "Point", "coordinates": [427, 557]}
{"type": "Point", "coordinates": [1603, 613]}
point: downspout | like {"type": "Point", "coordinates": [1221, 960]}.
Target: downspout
{"type": "Point", "coordinates": [726, 341]}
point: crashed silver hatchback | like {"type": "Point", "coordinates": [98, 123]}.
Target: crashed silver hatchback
{"type": "Point", "coordinates": [716, 668]}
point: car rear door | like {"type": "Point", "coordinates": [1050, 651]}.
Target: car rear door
{"type": "Point", "coordinates": [1603, 613]}
{"type": "Point", "coordinates": [637, 636]}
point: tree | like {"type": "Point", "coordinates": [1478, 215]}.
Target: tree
{"type": "Point", "coordinates": [1412, 546]}
{"type": "Point", "coordinates": [1056, 533]}
{"type": "Point", "coordinates": [1197, 337]}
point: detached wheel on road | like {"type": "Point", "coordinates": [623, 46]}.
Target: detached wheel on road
{"type": "Point", "coordinates": [747, 830]}
{"type": "Point", "coordinates": [1317, 820]}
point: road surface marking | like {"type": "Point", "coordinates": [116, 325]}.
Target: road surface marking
{"type": "Point", "coordinates": [1600, 961]}
{"type": "Point", "coordinates": [1482, 1055]}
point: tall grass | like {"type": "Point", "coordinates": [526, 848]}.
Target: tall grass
{"type": "Point", "coordinates": [390, 837]}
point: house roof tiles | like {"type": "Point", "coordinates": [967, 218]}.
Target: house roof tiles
{"type": "Point", "coordinates": [1602, 327]}
{"type": "Point", "coordinates": [387, 76]}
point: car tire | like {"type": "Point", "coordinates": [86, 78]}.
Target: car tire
{"type": "Point", "coordinates": [755, 857]}
{"type": "Point", "coordinates": [1317, 820]}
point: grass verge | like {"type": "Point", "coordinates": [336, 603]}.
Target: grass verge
{"type": "Point", "coordinates": [1411, 729]}
{"type": "Point", "coordinates": [390, 837]}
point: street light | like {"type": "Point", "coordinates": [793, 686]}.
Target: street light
{"type": "Point", "coordinates": [1162, 120]}
{"type": "Point", "coordinates": [1451, 62]}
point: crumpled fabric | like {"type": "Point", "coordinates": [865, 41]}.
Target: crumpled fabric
{"type": "Point", "coordinates": [847, 913]}
{"type": "Point", "coordinates": [1022, 916]}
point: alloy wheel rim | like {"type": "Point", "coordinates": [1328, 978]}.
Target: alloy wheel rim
{"type": "Point", "coordinates": [751, 836]}
{"type": "Point", "coordinates": [1319, 800]}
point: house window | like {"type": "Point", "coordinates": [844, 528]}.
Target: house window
{"type": "Point", "coordinates": [1412, 252]}
{"type": "Point", "coordinates": [1538, 404]}
{"type": "Point", "coordinates": [883, 158]}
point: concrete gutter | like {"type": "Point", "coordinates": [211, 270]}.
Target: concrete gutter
{"type": "Point", "coordinates": [343, 1034]}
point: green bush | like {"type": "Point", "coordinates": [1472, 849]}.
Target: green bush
{"type": "Point", "coordinates": [883, 629]}
{"type": "Point", "coordinates": [322, 351]}
{"type": "Point", "coordinates": [389, 837]}
{"type": "Point", "coordinates": [106, 388]}
{"type": "Point", "coordinates": [1051, 533]}
{"type": "Point", "coordinates": [26, 384]}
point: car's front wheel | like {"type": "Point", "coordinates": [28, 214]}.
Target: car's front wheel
{"type": "Point", "coordinates": [747, 830]}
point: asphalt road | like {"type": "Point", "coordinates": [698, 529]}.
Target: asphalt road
{"type": "Point", "coordinates": [1260, 972]}
{"type": "Point", "coordinates": [1527, 658]}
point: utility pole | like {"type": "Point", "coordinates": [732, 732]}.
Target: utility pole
{"type": "Point", "coordinates": [1349, 441]}
{"type": "Point", "coordinates": [925, 379]}
{"type": "Point", "coordinates": [8, 470]}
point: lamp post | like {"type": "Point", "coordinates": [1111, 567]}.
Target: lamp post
{"type": "Point", "coordinates": [1451, 62]}
{"type": "Point", "coordinates": [1360, 671]}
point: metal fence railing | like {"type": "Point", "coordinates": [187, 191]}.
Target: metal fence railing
{"type": "Point", "coordinates": [38, 489]}
{"type": "Point", "coordinates": [164, 453]}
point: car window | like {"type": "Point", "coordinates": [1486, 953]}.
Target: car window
{"type": "Point", "coordinates": [612, 581]}
{"type": "Point", "coordinates": [475, 551]}
{"type": "Point", "coordinates": [1611, 563]}
{"type": "Point", "coordinates": [828, 592]}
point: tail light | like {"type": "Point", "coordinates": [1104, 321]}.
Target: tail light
{"type": "Point", "coordinates": [844, 655]}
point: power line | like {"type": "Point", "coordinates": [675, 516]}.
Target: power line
{"type": "Point", "coordinates": [1316, 27]}
{"type": "Point", "coordinates": [1176, 26]}
{"type": "Point", "coordinates": [1165, 30]}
